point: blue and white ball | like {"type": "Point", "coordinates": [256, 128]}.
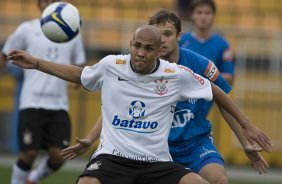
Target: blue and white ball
{"type": "Point", "coordinates": [60, 22]}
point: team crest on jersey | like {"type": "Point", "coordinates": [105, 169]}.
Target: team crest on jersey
{"type": "Point", "coordinates": [137, 109]}
{"type": "Point", "coordinates": [120, 62]}
{"type": "Point", "coordinates": [94, 166]}
{"type": "Point", "coordinates": [211, 71]}
{"type": "Point", "coordinates": [161, 87]}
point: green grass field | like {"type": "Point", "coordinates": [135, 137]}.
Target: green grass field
{"type": "Point", "coordinates": [69, 177]}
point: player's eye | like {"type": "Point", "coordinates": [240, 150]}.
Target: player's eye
{"type": "Point", "coordinates": [136, 46]}
{"type": "Point", "coordinates": [167, 34]}
{"type": "Point", "coordinates": [149, 48]}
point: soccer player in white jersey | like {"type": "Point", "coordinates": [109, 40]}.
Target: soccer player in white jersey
{"type": "Point", "coordinates": [139, 92]}
{"type": "Point", "coordinates": [44, 119]}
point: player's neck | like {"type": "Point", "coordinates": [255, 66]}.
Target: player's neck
{"type": "Point", "coordinates": [202, 34]}
{"type": "Point", "coordinates": [173, 57]}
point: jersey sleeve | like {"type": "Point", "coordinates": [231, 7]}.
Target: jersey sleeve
{"type": "Point", "coordinates": [16, 40]}
{"type": "Point", "coordinates": [227, 60]}
{"type": "Point", "coordinates": [92, 77]}
{"type": "Point", "coordinates": [78, 53]}
{"type": "Point", "coordinates": [212, 73]}
{"type": "Point", "coordinates": [193, 86]}
{"type": "Point", "coordinates": [206, 68]}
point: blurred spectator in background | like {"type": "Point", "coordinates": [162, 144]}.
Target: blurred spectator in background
{"type": "Point", "coordinates": [205, 42]}
{"type": "Point", "coordinates": [183, 7]}
{"type": "Point", "coordinates": [43, 120]}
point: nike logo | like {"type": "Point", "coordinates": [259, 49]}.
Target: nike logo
{"type": "Point", "coordinates": [54, 16]}
{"type": "Point", "coordinates": [121, 79]}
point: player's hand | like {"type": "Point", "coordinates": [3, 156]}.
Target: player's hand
{"type": "Point", "coordinates": [255, 135]}
{"type": "Point", "coordinates": [82, 146]}
{"type": "Point", "coordinates": [256, 158]}
{"type": "Point", "coordinates": [22, 59]}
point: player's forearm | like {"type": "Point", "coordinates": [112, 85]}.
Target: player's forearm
{"type": "Point", "coordinates": [235, 127]}
{"type": "Point", "coordinates": [69, 73]}
{"type": "Point", "coordinates": [225, 102]}
{"type": "Point", "coordinates": [94, 134]}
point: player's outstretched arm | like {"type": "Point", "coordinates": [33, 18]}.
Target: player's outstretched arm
{"type": "Point", "coordinates": [251, 151]}
{"type": "Point", "coordinates": [251, 132]}
{"type": "Point", "coordinates": [83, 145]}
{"type": "Point", "coordinates": [69, 73]}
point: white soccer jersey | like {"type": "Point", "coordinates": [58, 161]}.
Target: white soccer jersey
{"type": "Point", "coordinates": [41, 90]}
{"type": "Point", "coordinates": [138, 109]}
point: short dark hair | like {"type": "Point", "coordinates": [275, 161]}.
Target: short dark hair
{"type": "Point", "coordinates": [195, 3]}
{"type": "Point", "coordinates": [163, 16]}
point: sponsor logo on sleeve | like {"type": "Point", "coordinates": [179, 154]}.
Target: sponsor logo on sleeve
{"type": "Point", "coordinates": [211, 71]}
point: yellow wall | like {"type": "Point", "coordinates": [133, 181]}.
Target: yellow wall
{"type": "Point", "coordinates": [229, 146]}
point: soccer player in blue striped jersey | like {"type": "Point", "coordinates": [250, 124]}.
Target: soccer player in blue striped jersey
{"type": "Point", "coordinates": [190, 138]}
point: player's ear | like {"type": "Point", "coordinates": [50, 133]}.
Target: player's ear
{"type": "Point", "coordinates": [130, 43]}
{"type": "Point", "coordinates": [179, 36]}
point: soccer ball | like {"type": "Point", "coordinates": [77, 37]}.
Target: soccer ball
{"type": "Point", "coordinates": [60, 22]}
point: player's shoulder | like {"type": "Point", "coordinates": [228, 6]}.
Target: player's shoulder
{"type": "Point", "coordinates": [220, 39]}
{"type": "Point", "coordinates": [168, 68]}
{"type": "Point", "coordinates": [185, 39]}
{"type": "Point", "coordinates": [187, 35]}
{"type": "Point", "coordinates": [29, 24]}
{"type": "Point", "coordinates": [188, 52]}
{"type": "Point", "coordinates": [191, 57]}
{"type": "Point", "coordinates": [166, 64]}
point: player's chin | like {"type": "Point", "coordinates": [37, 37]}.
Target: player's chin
{"type": "Point", "coordinates": [162, 54]}
{"type": "Point", "coordinates": [140, 70]}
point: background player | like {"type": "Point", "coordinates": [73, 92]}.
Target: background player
{"type": "Point", "coordinates": [205, 42]}
{"type": "Point", "coordinates": [190, 138]}
{"type": "Point", "coordinates": [44, 119]}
